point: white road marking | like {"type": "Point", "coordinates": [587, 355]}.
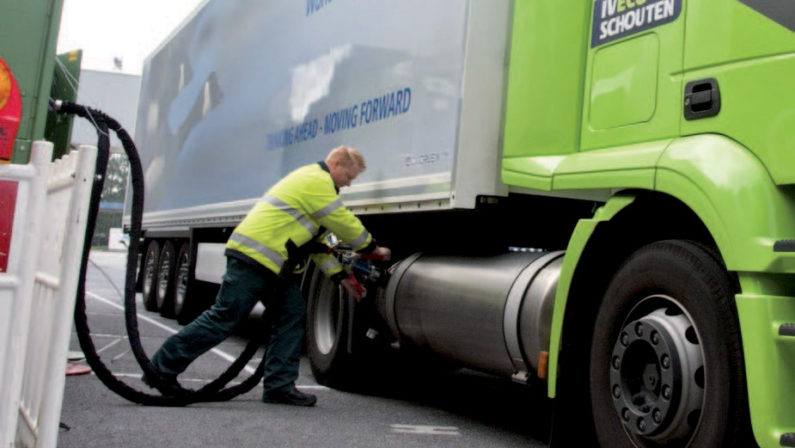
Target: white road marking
{"type": "Point", "coordinates": [119, 356]}
{"type": "Point", "coordinates": [112, 343]}
{"type": "Point", "coordinates": [107, 335]}
{"type": "Point", "coordinates": [311, 386]}
{"type": "Point", "coordinates": [426, 430]}
{"type": "Point", "coordinates": [227, 357]}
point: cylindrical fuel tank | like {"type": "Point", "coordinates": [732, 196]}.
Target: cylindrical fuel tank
{"type": "Point", "coordinates": [489, 313]}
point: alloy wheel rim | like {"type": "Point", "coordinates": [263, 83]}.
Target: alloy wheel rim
{"type": "Point", "coordinates": [657, 372]}
{"type": "Point", "coordinates": [327, 316]}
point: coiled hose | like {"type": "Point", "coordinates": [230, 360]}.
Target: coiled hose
{"type": "Point", "coordinates": [213, 391]}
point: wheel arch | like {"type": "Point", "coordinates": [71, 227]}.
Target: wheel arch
{"type": "Point", "coordinates": [734, 196]}
{"type": "Point", "coordinates": [597, 249]}
{"type": "Point", "coordinates": [721, 195]}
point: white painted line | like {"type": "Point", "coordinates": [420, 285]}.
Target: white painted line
{"type": "Point", "coordinates": [426, 430]}
{"type": "Point", "coordinates": [112, 343]}
{"type": "Point", "coordinates": [119, 356]}
{"type": "Point", "coordinates": [312, 387]}
{"type": "Point", "coordinates": [227, 357]}
{"type": "Point", "coordinates": [107, 335]}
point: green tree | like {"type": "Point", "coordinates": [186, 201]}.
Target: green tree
{"type": "Point", "coordinates": [112, 196]}
{"type": "Point", "coordinates": [116, 179]}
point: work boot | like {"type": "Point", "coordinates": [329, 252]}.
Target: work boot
{"type": "Point", "coordinates": [291, 396]}
{"type": "Point", "coordinates": [166, 384]}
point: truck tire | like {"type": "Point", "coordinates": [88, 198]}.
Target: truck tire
{"type": "Point", "coordinates": [183, 306]}
{"type": "Point", "coordinates": [149, 275]}
{"type": "Point", "coordinates": [164, 291]}
{"type": "Point", "coordinates": [666, 362]}
{"type": "Point", "coordinates": [327, 332]}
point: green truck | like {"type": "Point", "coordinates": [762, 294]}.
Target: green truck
{"type": "Point", "coordinates": [680, 114]}
{"type": "Point", "coordinates": [591, 196]}
{"type": "Point", "coordinates": [594, 196]}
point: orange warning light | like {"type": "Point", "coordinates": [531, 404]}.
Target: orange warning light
{"type": "Point", "coordinates": [10, 111]}
{"type": "Point", "coordinates": [5, 85]}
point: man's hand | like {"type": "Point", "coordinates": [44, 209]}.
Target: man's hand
{"type": "Point", "coordinates": [382, 253]}
{"type": "Point", "coordinates": [354, 288]}
{"type": "Point", "coordinates": [379, 253]}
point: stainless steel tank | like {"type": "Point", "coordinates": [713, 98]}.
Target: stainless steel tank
{"type": "Point", "coordinates": [489, 313]}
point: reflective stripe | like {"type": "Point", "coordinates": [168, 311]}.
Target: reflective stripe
{"type": "Point", "coordinates": [361, 240]}
{"type": "Point", "coordinates": [258, 247]}
{"type": "Point", "coordinates": [325, 267]}
{"type": "Point", "coordinates": [296, 214]}
{"type": "Point", "coordinates": [327, 210]}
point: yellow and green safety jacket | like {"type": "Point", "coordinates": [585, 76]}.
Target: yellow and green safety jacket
{"type": "Point", "coordinates": [300, 209]}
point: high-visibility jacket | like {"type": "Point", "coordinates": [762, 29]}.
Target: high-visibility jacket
{"type": "Point", "coordinates": [302, 207]}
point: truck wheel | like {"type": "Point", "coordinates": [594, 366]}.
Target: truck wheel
{"type": "Point", "coordinates": [666, 356]}
{"type": "Point", "coordinates": [165, 280]}
{"type": "Point", "coordinates": [149, 275]}
{"type": "Point", "coordinates": [182, 307]}
{"type": "Point", "coordinates": [327, 334]}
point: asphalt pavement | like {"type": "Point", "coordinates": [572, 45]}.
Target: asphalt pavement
{"type": "Point", "coordinates": [439, 409]}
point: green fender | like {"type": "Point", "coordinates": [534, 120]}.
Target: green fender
{"type": "Point", "coordinates": [577, 243]}
{"type": "Point", "coordinates": [735, 197]}
{"type": "Point", "coordinates": [726, 186]}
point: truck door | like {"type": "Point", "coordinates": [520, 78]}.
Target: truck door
{"type": "Point", "coordinates": [744, 47]}
{"type": "Point", "coordinates": [633, 79]}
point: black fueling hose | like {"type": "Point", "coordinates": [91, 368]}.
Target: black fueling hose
{"type": "Point", "coordinates": [213, 391]}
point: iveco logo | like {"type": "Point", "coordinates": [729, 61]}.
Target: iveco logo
{"type": "Point", "coordinates": [780, 11]}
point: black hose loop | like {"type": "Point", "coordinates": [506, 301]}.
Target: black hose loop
{"type": "Point", "coordinates": [214, 391]}
{"type": "Point", "coordinates": [206, 392]}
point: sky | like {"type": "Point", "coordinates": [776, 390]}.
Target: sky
{"type": "Point", "coordinates": [125, 29]}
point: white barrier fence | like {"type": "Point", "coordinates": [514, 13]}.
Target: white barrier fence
{"type": "Point", "coordinates": [43, 212]}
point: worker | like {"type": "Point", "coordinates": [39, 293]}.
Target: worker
{"type": "Point", "coordinates": [262, 254]}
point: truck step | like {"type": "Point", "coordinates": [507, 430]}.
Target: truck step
{"type": "Point", "coordinates": [787, 439]}
{"type": "Point", "coordinates": [784, 246]}
{"type": "Point", "coordinates": [787, 329]}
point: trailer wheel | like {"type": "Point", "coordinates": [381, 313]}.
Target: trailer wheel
{"type": "Point", "coordinates": [327, 321]}
{"type": "Point", "coordinates": [182, 307]}
{"type": "Point", "coordinates": [149, 275]}
{"type": "Point", "coordinates": [666, 357]}
{"type": "Point", "coordinates": [164, 290]}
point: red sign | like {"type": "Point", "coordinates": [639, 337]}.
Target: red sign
{"type": "Point", "coordinates": [8, 202]}
{"type": "Point", "coordinates": [10, 112]}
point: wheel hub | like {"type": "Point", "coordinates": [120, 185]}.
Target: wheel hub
{"type": "Point", "coordinates": [328, 316]}
{"type": "Point", "coordinates": [657, 375]}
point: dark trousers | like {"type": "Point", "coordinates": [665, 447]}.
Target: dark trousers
{"type": "Point", "coordinates": [241, 288]}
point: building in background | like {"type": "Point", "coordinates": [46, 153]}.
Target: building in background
{"type": "Point", "coordinates": [114, 93]}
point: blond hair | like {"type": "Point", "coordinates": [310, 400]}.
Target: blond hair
{"type": "Point", "coordinates": [346, 156]}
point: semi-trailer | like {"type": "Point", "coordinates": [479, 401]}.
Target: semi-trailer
{"type": "Point", "coordinates": [595, 196]}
